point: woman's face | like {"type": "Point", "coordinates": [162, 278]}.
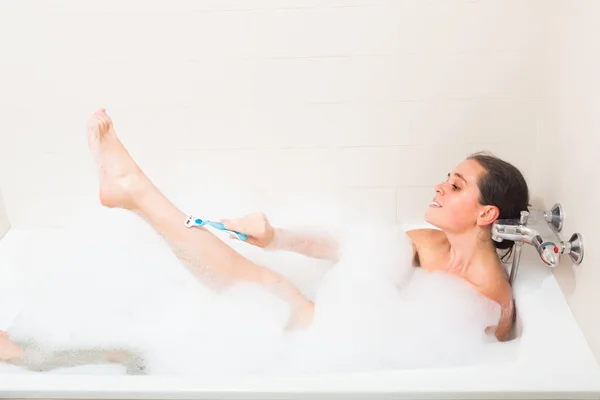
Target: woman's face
{"type": "Point", "coordinates": [455, 207]}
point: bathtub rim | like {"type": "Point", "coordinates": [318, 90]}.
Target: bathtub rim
{"type": "Point", "coordinates": [467, 382]}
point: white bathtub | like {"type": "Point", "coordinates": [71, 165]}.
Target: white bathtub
{"type": "Point", "coordinates": [549, 359]}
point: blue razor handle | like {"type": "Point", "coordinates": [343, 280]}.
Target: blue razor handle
{"type": "Point", "coordinates": [191, 222]}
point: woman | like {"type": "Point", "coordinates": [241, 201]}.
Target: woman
{"type": "Point", "coordinates": [476, 193]}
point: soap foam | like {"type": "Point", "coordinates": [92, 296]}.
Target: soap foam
{"type": "Point", "coordinates": [114, 283]}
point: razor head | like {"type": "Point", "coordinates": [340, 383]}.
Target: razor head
{"type": "Point", "coordinates": [189, 221]}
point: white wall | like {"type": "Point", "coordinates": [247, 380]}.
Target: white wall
{"type": "Point", "coordinates": [4, 224]}
{"type": "Point", "coordinates": [569, 148]}
{"type": "Point", "coordinates": [374, 100]}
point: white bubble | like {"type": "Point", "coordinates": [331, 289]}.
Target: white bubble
{"type": "Point", "coordinates": [109, 280]}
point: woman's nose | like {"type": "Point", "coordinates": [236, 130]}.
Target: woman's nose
{"type": "Point", "coordinates": [438, 188]}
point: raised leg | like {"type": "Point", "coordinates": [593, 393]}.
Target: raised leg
{"type": "Point", "coordinates": [124, 185]}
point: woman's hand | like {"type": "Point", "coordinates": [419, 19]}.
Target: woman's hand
{"type": "Point", "coordinates": [256, 226]}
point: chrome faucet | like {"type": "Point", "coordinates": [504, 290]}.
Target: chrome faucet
{"type": "Point", "coordinates": [549, 251]}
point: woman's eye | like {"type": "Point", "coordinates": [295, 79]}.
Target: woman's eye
{"type": "Point", "coordinates": [455, 187]}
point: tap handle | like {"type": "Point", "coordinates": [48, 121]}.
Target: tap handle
{"type": "Point", "coordinates": [524, 217]}
{"type": "Point", "coordinates": [575, 248]}
{"type": "Point", "coordinates": [549, 253]}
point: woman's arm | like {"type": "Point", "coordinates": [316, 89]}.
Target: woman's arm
{"type": "Point", "coordinates": [262, 234]}
{"type": "Point", "coordinates": [310, 244]}
{"type": "Point", "coordinates": [499, 291]}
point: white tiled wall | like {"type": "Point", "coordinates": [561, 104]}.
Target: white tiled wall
{"type": "Point", "coordinates": [569, 148]}
{"type": "Point", "coordinates": [372, 99]}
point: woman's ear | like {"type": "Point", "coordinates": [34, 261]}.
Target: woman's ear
{"type": "Point", "coordinates": [488, 215]}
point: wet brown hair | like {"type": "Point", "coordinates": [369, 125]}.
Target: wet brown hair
{"type": "Point", "coordinates": [503, 186]}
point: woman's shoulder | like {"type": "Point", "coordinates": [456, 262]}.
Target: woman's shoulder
{"type": "Point", "coordinates": [427, 237]}
{"type": "Point", "coordinates": [429, 247]}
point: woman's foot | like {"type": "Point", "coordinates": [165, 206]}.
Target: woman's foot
{"type": "Point", "coordinates": [9, 352]}
{"type": "Point", "coordinates": [120, 177]}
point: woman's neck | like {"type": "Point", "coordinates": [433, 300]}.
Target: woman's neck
{"type": "Point", "coordinates": [467, 249]}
